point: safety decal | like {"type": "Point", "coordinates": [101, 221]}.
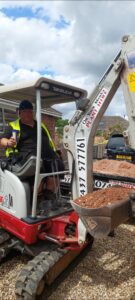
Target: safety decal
{"type": "Point", "coordinates": [131, 59]}
{"type": "Point", "coordinates": [98, 102]}
{"type": "Point", "coordinates": [131, 81]}
{"type": "Point", "coordinates": [81, 165]}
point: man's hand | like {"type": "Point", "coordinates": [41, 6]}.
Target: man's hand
{"type": "Point", "coordinates": [6, 143]}
{"type": "Point", "coordinates": [11, 142]}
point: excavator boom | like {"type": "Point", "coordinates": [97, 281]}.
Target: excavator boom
{"type": "Point", "coordinates": [79, 134]}
{"type": "Point", "coordinates": [79, 140]}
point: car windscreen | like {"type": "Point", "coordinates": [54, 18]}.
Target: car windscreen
{"type": "Point", "coordinates": [116, 142]}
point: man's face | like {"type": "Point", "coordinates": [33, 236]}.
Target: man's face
{"type": "Point", "coordinates": [26, 115]}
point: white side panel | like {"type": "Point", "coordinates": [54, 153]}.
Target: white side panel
{"type": "Point", "coordinates": [12, 195]}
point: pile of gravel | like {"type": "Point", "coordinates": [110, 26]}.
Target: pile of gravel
{"type": "Point", "coordinates": [107, 272]}
{"type": "Point", "coordinates": [114, 167]}
{"type": "Point", "coordinates": [104, 197]}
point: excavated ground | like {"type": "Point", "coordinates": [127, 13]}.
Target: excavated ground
{"type": "Point", "coordinates": [107, 272]}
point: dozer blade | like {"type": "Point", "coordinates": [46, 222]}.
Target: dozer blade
{"type": "Point", "coordinates": [99, 222]}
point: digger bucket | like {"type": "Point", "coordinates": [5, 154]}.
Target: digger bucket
{"type": "Point", "coordinates": [99, 222]}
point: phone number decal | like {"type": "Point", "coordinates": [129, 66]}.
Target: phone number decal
{"type": "Point", "coordinates": [99, 184]}
{"type": "Point", "coordinates": [81, 165]}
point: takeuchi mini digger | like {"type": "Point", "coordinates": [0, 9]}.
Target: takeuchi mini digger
{"type": "Point", "coordinates": [53, 237]}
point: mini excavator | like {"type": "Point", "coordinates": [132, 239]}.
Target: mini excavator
{"type": "Point", "coordinates": [54, 237]}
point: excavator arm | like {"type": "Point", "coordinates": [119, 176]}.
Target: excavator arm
{"type": "Point", "coordinates": [79, 134]}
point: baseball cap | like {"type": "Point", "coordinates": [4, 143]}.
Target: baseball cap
{"type": "Point", "coordinates": [25, 104]}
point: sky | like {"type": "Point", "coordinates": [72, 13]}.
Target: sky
{"type": "Point", "coordinates": [69, 41]}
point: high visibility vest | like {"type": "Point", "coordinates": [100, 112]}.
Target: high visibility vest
{"type": "Point", "coordinates": [16, 126]}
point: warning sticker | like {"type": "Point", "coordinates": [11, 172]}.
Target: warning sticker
{"type": "Point", "coordinates": [131, 81]}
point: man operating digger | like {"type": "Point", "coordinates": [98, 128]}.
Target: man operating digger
{"type": "Point", "coordinates": [20, 141]}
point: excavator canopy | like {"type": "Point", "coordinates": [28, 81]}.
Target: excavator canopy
{"type": "Point", "coordinates": [52, 92]}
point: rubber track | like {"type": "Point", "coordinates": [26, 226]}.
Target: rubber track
{"type": "Point", "coordinates": [30, 276]}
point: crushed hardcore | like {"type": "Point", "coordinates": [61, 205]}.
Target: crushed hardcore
{"type": "Point", "coordinates": [107, 272]}
{"type": "Point", "coordinates": [114, 167]}
{"type": "Point", "coordinates": [103, 197]}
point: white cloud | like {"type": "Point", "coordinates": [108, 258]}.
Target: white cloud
{"type": "Point", "coordinates": [23, 74]}
{"type": "Point", "coordinates": [77, 54]}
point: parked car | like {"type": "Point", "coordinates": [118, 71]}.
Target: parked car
{"type": "Point", "coordinates": [117, 149]}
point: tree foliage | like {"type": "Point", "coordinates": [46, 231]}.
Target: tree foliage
{"type": "Point", "coordinates": [60, 123]}
{"type": "Point", "coordinates": [99, 133]}
{"type": "Point", "coordinates": [117, 128]}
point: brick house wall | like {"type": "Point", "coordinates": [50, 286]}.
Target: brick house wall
{"type": "Point", "coordinates": [50, 123]}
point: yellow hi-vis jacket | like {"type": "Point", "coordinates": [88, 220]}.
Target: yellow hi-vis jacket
{"type": "Point", "coordinates": [16, 126]}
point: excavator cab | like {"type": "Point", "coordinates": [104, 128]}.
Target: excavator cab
{"type": "Point", "coordinates": [52, 236]}
{"type": "Point", "coordinates": [43, 93]}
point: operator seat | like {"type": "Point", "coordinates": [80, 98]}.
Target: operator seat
{"type": "Point", "coordinates": [23, 171]}
{"type": "Point", "coordinates": [27, 169]}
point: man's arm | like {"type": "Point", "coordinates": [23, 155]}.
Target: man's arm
{"type": "Point", "coordinates": [6, 139]}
